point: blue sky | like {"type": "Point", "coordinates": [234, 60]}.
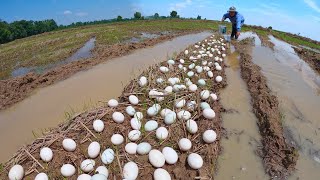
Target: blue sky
{"type": "Point", "coordinates": [296, 16]}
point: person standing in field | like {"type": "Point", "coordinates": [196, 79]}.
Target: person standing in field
{"type": "Point", "coordinates": [236, 19]}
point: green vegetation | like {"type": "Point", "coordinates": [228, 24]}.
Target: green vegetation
{"type": "Point", "coordinates": [174, 14]}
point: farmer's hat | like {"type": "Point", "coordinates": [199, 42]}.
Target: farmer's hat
{"type": "Point", "coordinates": [232, 9]}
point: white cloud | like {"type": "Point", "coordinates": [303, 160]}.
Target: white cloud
{"type": "Point", "coordinates": [67, 12]}
{"type": "Point", "coordinates": [180, 5]}
{"type": "Point", "coordinates": [312, 5]}
{"type": "Point", "coordinates": [81, 14]}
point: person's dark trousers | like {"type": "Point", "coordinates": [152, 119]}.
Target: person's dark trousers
{"type": "Point", "coordinates": [234, 32]}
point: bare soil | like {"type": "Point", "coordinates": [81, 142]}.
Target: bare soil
{"type": "Point", "coordinates": [279, 158]}
{"type": "Point", "coordinates": [265, 41]}
{"type": "Point", "coordinates": [75, 130]}
{"type": "Point", "coordinates": [16, 89]}
{"type": "Point", "coordinates": [309, 56]}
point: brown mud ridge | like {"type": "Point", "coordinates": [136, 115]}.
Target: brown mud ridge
{"type": "Point", "coordinates": [265, 41]}
{"type": "Point", "coordinates": [80, 129]}
{"type": "Point", "coordinates": [16, 89]}
{"type": "Point", "coordinates": [278, 157]}
{"type": "Point", "coordinates": [309, 56]}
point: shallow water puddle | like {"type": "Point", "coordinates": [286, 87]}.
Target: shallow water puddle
{"type": "Point", "coordinates": [47, 106]}
{"type": "Point", "coordinates": [289, 78]}
{"type": "Point", "coordinates": [238, 159]}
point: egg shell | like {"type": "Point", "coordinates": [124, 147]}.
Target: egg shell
{"type": "Point", "coordinates": [117, 139]}
{"type": "Point", "coordinates": [113, 103]}
{"type": "Point", "coordinates": [184, 144]}
{"type": "Point", "coordinates": [192, 126]}
{"type": "Point", "coordinates": [118, 117]}
{"type": "Point", "coordinates": [213, 97]}
{"type": "Point", "coordinates": [209, 113]}
{"type": "Point", "coordinates": [130, 110]}
{"type": "Point", "coordinates": [143, 148]}
{"type": "Point", "coordinates": [195, 161]}
{"type": "Point", "coordinates": [161, 174]}
{"type": "Point", "coordinates": [204, 105]}
{"type": "Point", "coordinates": [130, 171]}
{"type": "Point", "coordinates": [93, 149]}
{"type": "Point", "coordinates": [84, 177]}
{"type": "Point", "coordinates": [209, 136]}
{"type": "Point", "coordinates": [99, 177]}
{"type": "Point", "coordinates": [107, 156]}
{"type": "Point", "coordinates": [87, 165]}
{"type": "Point", "coordinates": [69, 144]}
{"type": "Point", "coordinates": [102, 170]}
{"type": "Point", "coordinates": [42, 176]}
{"type": "Point", "coordinates": [98, 125]}
{"type": "Point", "coordinates": [131, 148]}
{"type": "Point", "coordinates": [142, 81]}
{"type": "Point", "coordinates": [193, 88]}
{"type": "Point", "coordinates": [162, 133]}
{"type": "Point", "coordinates": [179, 103]}
{"type": "Point", "coordinates": [46, 154]}
{"type": "Point", "coordinates": [184, 115]}
{"type": "Point", "coordinates": [16, 172]}
{"type": "Point", "coordinates": [67, 170]}
{"type": "Point", "coordinates": [134, 135]}
{"type": "Point", "coordinates": [135, 124]}
{"type": "Point", "coordinates": [218, 79]}
{"type": "Point", "coordinates": [156, 158]}
{"type": "Point", "coordinates": [170, 118]}
{"type": "Point", "coordinates": [205, 94]}
{"type": "Point", "coordinates": [133, 99]}
{"type": "Point", "coordinates": [151, 125]}
{"type": "Point", "coordinates": [170, 155]}
{"type": "Point", "coordinates": [138, 115]}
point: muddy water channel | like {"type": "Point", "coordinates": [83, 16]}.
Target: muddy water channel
{"type": "Point", "coordinates": [46, 107]}
{"type": "Point", "coordinates": [238, 159]}
{"type": "Point", "coordinates": [297, 88]}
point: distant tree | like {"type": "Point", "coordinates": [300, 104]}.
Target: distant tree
{"type": "Point", "coordinates": [173, 14]}
{"type": "Point", "coordinates": [199, 17]}
{"type": "Point", "coordinates": [156, 15]}
{"type": "Point", "coordinates": [137, 15]}
{"type": "Point", "coordinates": [205, 18]}
{"type": "Point", "coordinates": [270, 27]}
{"type": "Point", "coordinates": [119, 18]}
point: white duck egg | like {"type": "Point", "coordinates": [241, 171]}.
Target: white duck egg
{"type": "Point", "coordinates": [138, 115]}
{"type": "Point", "coordinates": [84, 177]}
{"type": "Point", "coordinates": [164, 69]}
{"type": "Point", "coordinates": [69, 144]}
{"type": "Point", "coordinates": [143, 148]}
{"type": "Point", "coordinates": [184, 115]}
{"type": "Point", "coordinates": [164, 112]}
{"type": "Point", "coordinates": [156, 158]}
{"type": "Point", "coordinates": [67, 170]}
{"type": "Point", "coordinates": [151, 125]}
{"type": "Point", "coordinates": [184, 144]}
{"type": "Point", "coordinates": [93, 149]}
{"type": "Point", "coordinates": [189, 83]}
{"type": "Point", "coordinates": [87, 165]}
{"type": "Point", "coordinates": [107, 156]}
{"type": "Point", "coordinates": [168, 89]}
{"type": "Point", "coordinates": [130, 171]}
{"type": "Point", "coordinates": [170, 61]}
{"type": "Point", "coordinates": [180, 66]}
{"type": "Point", "coordinates": [143, 81]}
{"type": "Point", "coordinates": [152, 111]}
{"type": "Point", "coordinates": [193, 87]}
{"type": "Point", "coordinates": [117, 139]}
{"type": "Point", "coordinates": [99, 177]}
{"type": "Point", "coordinates": [201, 82]}
{"type": "Point", "coordinates": [162, 133]}
{"type": "Point", "coordinates": [135, 123]}
{"type": "Point", "coordinates": [179, 103]}
{"type": "Point", "coordinates": [191, 105]}
{"type": "Point", "coordinates": [218, 79]}
{"type": "Point", "coordinates": [134, 135]}
{"type": "Point", "coordinates": [16, 172]}
{"type": "Point", "coordinates": [170, 155]}
{"type": "Point", "coordinates": [181, 61]}
{"type": "Point", "coordinates": [161, 174]}
{"type": "Point", "coordinates": [186, 52]}
{"type": "Point", "coordinates": [209, 136]}
{"type": "Point", "coordinates": [199, 56]}
{"type": "Point", "coordinates": [170, 118]}
{"type": "Point", "coordinates": [204, 105]}
{"type": "Point", "coordinates": [204, 94]}
{"type": "Point", "coordinates": [102, 170]}
{"type": "Point", "coordinates": [192, 126]}
{"type": "Point", "coordinates": [195, 161]}
{"type": "Point", "coordinates": [209, 113]}
{"type": "Point", "coordinates": [113, 103]}
{"type": "Point", "coordinates": [98, 125]}
{"type": "Point", "coordinates": [46, 154]}
{"type": "Point", "coordinates": [218, 68]}
{"type": "Point", "coordinates": [199, 70]}
{"type": "Point", "coordinates": [210, 74]}
{"type": "Point", "coordinates": [131, 148]}
{"type": "Point", "coordinates": [190, 73]}
{"type": "Point", "coordinates": [172, 81]}
{"type": "Point", "coordinates": [223, 55]}
{"type": "Point", "coordinates": [204, 63]}
{"type": "Point", "coordinates": [213, 96]}
{"type": "Point", "coordinates": [118, 117]}
{"type": "Point", "coordinates": [159, 80]}
{"type": "Point", "coordinates": [130, 110]}
{"type": "Point", "coordinates": [42, 176]}
{"type": "Point", "coordinates": [211, 55]}
{"type": "Point", "coordinates": [133, 99]}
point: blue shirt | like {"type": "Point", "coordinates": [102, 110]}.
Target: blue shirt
{"type": "Point", "coordinates": [237, 20]}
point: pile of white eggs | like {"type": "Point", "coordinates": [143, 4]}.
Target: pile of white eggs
{"type": "Point", "coordinates": [198, 76]}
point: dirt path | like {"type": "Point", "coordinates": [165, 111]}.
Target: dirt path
{"type": "Point", "coordinates": [279, 158]}
{"type": "Point", "coordinates": [16, 89]}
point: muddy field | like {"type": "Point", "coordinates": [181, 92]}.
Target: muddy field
{"type": "Point", "coordinates": [311, 57]}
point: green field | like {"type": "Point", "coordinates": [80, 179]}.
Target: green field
{"type": "Point", "coordinates": [55, 46]}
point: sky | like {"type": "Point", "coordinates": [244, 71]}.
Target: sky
{"type": "Point", "coordinates": [295, 16]}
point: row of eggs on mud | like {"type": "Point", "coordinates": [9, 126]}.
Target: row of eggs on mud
{"type": "Point", "coordinates": [156, 158]}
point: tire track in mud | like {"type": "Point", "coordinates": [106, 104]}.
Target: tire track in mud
{"type": "Point", "coordinates": [278, 157]}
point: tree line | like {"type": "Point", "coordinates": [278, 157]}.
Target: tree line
{"type": "Point", "coordinates": [24, 28]}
